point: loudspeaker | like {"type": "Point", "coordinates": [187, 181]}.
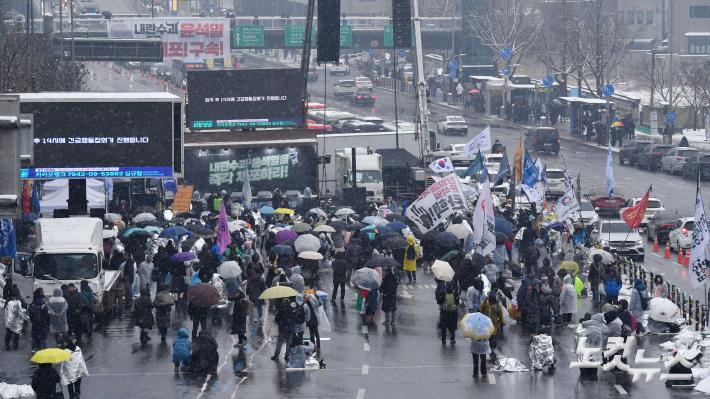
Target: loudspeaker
{"type": "Point", "coordinates": [402, 23]}
{"type": "Point", "coordinates": [77, 202]}
{"type": "Point", "coordinates": [355, 197]}
{"type": "Point", "coordinates": [328, 31]}
{"type": "Point", "coordinates": [60, 213]}
{"type": "Point", "coordinates": [97, 213]}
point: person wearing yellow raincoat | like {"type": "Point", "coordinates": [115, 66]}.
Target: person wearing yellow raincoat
{"type": "Point", "coordinates": [411, 256]}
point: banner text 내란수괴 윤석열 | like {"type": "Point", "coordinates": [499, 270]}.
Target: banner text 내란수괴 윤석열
{"type": "Point", "coordinates": [439, 201]}
{"type": "Point", "coordinates": [199, 38]}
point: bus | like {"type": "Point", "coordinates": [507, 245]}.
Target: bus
{"type": "Point", "coordinates": [182, 66]}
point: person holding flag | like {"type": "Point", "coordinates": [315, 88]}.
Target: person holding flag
{"type": "Point", "coordinates": [484, 234]}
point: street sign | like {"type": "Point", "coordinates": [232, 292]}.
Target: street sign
{"type": "Point", "coordinates": [608, 90]}
{"type": "Point", "coordinates": [548, 81]}
{"type": "Point", "coordinates": [506, 72]}
{"type": "Point", "coordinates": [248, 36]}
{"type": "Point", "coordinates": [346, 36]}
{"type": "Point", "coordinates": [505, 53]}
{"type": "Point", "coordinates": [654, 122]}
{"type": "Point", "coordinates": [293, 36]}
{"type": "Point", "coordinates": [388, 40]}
{"type": "Point", "coordinates": [670, 118]}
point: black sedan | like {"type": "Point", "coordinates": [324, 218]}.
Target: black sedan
{"type": "Point", "coordinates": [697, 162]}
{"type": "Point", "coordinates": [363, 97]}
{"type": "Point", "coordinates": [629, 153]}
{"type": "Point", "coordinates": [651, 158]}
{"type": "Point", "coordinates": [660, 226]}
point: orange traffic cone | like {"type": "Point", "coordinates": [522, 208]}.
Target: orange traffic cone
{"type": "Point", "coordinates": [687, 258]}
{"type": "Point", "coordinates": [667, 255]}
{"type": "Point", "coordinates": [655, 245]}
{"type": "Point", "coordinates": [681, 256]}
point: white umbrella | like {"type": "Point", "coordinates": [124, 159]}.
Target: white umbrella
{"type": "Point", "coordinates": [324, 228]}
{"type": "Point", "coordinates": [663, 310]}
{"type": "Point", "coordinates": [312, 255]}
{"type": "Point", "coordinates": [442, 270]}
{"type": "Point", "coordinates": [235, 225]}
{"type": "Point", "coordinates": [307, 242]}
{"type": "Point", "coordinates": [460, 230]}
{"type": "Point", "coordinates": [144, 217]}
{"type": "Point", "coordinates": [318, 212]}
{"type": "Point", "coordinates": [111, 217]}
{"type": "Point", "coordinates": [230, 269]}
{"type": "Point", "coordinates": [606, 256]}
{"type": "Point", "coordinates": [344, 212]}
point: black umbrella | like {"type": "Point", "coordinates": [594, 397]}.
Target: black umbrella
{"type": "Point", "coordinates": [189, 243]}
{"type": "Point", "coordinates": [203, 295]}
{"type": "Point", "coordinates": [282, 250]}
{"type": "Point", "coordinates": [381, 261]}
{"type": "Point", "coordinates": [200, 231]}
{"type": "Point", "coordinates": [338, 225]}
{"type": "Point", "coordinates": [355, 226]}
{"type": "Point", "coordinates": [396, 217]}
{"type": "Point", "coordinates": [446, 239]}
{"type": "Point", "coordinates": [398, 242]}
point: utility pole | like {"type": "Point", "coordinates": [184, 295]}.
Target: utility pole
{"type": "Point", "coordinates": [2, 45]}
{"type": "Point", "coordinates": [306, 55]}
{"type": "Point", "coordinates": [422, 125]}
{"type": "Point", "coordinates": [73, 55]}
{"type": "Point", "coordinates": [653, 76]}
{"type": "Point", "coordinates": [668, 139]}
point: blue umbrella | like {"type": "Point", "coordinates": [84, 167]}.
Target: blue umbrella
{"type": "Point", "coordinates": [384, 230]}
{"type": "Point", "coordinates": [369, 219]}
{"type": "Point", "coordinates": [175, 232]}
{"type": "Point", "coordinates": [446, 239]}
{"type": "Point", "coordinates": [396, 225]}
{"type": "Point", "coordinates": [267, 210]}
{"type": "Point", "coordinates": [477, 326]}
{"type": "Point", "coordinates": [504, 226]}
{"type": "Point", "coordinates": [282, 250]}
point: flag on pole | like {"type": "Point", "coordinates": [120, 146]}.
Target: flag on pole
{"type": "Point", "coordinates": [503, 171]}
{"type": "Point", "coordinates": [223, 237]}
{"type": "Point", "coordinates": [26, 184]}
{"type": "Point", "coordinates": [442, 165]}
{"type": "Point", "coordinates": [475, 167]}
{"type": "Point", "coordinates": [518, 162]}
{"type": "Point", "coordinates": [484, 234]}
{"type": "Point", "coordinates": [246, 188]}
{"type": "Point", "coordinates": [34, 199]}
{"type": "Point", "coordinates": [610, 172]}
{"type": "Point", "coordinates": [482, 142]}
{"type": "Point", "coordinates": [8, 245]}
{"type": "Point", "coordinates": [531, 174]}
{"type": "Point", "coordinates": [633, 216]}
{"type": "Point", "coordinates": [699, 244]}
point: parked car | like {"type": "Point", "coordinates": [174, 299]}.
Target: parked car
{"type": "Point", "coordinates": [682, 234]}
{"type": "Point", "coordinates": [373, 119]}
{"type": "Point", "coordinates": [659, 227]}
{"type": "Point", "coordinates": [313, 125]}
{"type": "Point", "coordinates": [651, 157]}
{"type": "Point", "coordinates": [629, 152]}
{"type": "Point", "coordinates": [699, 161]}
{"type": "Point", "coordinates": [676, 158]}
{"type": "Point", "coordinates": [358, 126]}
{"type": "Point", "coordinates": [456, 153]}
{"type": "Point", "coordinates": [492, 160]}
{"type": "Point", "coordinates": [352, 59]}
{"type": "Point", "coordinates": [654, 206]}
{"type": "Point", "coordinates": [362, 97]}
{"type": "Point", "coordinates": [617, 237]}
{"type": "Point", "coordinates": [543, 139]}
{"type": "Point", "coordinates": [588, 216]}
{"type": "Point", "coordinates": [363, 82]}
{"type": "Point", "coordinates": [340, 68]}
{"type": "Point", "coordinates": [452, 124]}
{"type": "Point", "coordinates": [556, 181]}
{"type": "Point", "coordinates": [344, 88]}
{"type": "Point", "coordinates": [608, 206]}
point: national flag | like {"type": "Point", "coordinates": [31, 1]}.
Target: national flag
{"type": "Point", "coordinates": [475, 167]}
{"type": "Point", "coordinates": [610, 172]}
{"type": "Point", "coordinates": [442, 165]}
{"type": "Point", "coordinates": [503, 171]}
{"type": "Point", "coordinates": [531, 174]}
{"type": "Point", "coordinates": [518, 162]}
{"type": "Point", "coordinates": [223, 236]}
{"type": "Point", "coordinates": [633, 216]}
{"type": "Point", "coordinates": [484, 235]}
{"type": "Point", "coordinates": [699, 244]}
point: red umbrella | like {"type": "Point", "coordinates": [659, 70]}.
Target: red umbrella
{"type": "Point", "coordinates": [474, 91]}
{"type": "Point", "coordinates": [203, 295]}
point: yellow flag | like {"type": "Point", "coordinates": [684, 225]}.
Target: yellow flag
{"type": "Point", "coordinates": [518, 162]}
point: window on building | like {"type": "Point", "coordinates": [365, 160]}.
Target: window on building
{"type": "Point", "coordinates": [630, 17]}
{"type": "Point", "coordinates": [640, 17]}
{"type": "Point", "coordinates": [699, 45]}
{"type": "Point", "coordinates": [649, 17]}
{"type": "Point", "coordinates": [699, 11]}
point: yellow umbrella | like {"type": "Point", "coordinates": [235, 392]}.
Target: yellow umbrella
{"type": "Point", "coordinates": [618, 124]}
{"type": "Point", "coordinates": [51, 355]}
{"type": "Point", "coordinates": [280, 291]}
{"type": "Point", "coordinates": [285, 211]}
{"type": "Point", "coordinates": [570, 266]}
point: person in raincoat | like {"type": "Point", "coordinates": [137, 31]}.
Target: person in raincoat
{"type": "Point", "coordinates": [612, 285]}
{"type": "Point", "coordinates": [473, 296]}
{"type": "Point", "coordinates": [568, 299]}
{"type": "Point", "coordinates": [313, 303]}
{"type": "Point", "coordinates": [163, 304]}
{"type": "Point", "coordinates": [494, 310]}
{"type": "Point", "coordinates": [38, 312]}
{"type": "Point", "coordinates": [182, 350]}
{"type": "Point", "coordinates": [298, 353]}
{"type": "Point", "coordinates": [388, 289]}
{"type": "Point", "coordinates": [143, 315]}
{"type": "Point", "coordinates": [73, 370]}
{"type": "Point", "coordinates": [340, 272]}
{"type": "Point", "coordinates": [58, 308]}
{"type": "Point", "coordinates": [145, 270]}
{"type": "Point", "coordinates": [479, 350]}
{"type": "Point", "coordinates": [411, 256]}
{"type": "Point", "coordinates": [44, 381]}
{"type": "Point", "coordinates": [15, 317]}
{"type": "Point", "coordinates": [639, 303]}
{"type": "Point", "coordinates": [660, 289]}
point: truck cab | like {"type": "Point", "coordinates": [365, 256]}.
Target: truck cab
{"type": "Point", "coordinates": [367, 175]}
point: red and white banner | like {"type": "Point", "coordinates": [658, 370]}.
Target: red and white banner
{"type": "Point", "coordinates": [439, 201]}
{"type": "Point", "coordinates": [185, 38]}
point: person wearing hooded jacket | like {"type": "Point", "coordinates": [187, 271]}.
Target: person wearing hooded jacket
{"type": "Point", "coordinates": [58, 308]}
{"type": "Point", "coordinates": [44, 381]}
{"type": "Point", "coordinates": [639, 296]}
{"type": "Point", "coordinates": [39, 316]}
{"type": "Point", "coordinates": [568, 299]}
{"type": "Point", "coordinates": [340, 272]}
{"type": "Point", "coordinates": [612, 285]}
{"type": "Point", "coordinates": [182, 349]}
{"type": "Point", "coordinates": [73, 370]}
{"type": "Point", "coordinates": [15, 317]}
{"type": "Point", "coordinates": [473, 296]}
{"type": "Point", "coordinates": [494, 310]}
{"type": "Point", "coordinates": [411, 256]}
{"type": "Point", "coordinates": [388, 289]}
{"type": "Point", "coordinates": [143, 315]}
{"type": "Point", "coordinates": [163, 304]}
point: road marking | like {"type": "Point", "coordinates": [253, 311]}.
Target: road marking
{"type": "Point", "coordinates": [366, 347]}
{"type": "Point", "coordinates": [365, 369]}
{"type": "Point", "coordinates": [491, 379]}
{"type": "Point", "coordinates": [204, 386]}
{"type": "Point", "coordinates": [620, 389]}
{"type": "Point", "coordinates": [360, 394]}
{"type": "Point", "coordinates": [365, 330]}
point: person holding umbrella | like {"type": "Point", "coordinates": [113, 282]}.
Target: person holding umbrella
{"type": "Point", "coordinates": [44, 381]}
{"type": "Point", "coordinates": [478, 328]}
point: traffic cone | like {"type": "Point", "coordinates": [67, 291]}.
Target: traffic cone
{"type": "Point", "coordinates": [667, 255]}
{"type": "Point", "coordinates": [687, 258]}
{"type": "Point", "coordinates": [654, 248]}
{"type": "Point", "coordinates": [681, 256]}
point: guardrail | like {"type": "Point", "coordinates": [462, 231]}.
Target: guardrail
{"type": "Point", "coordinates": [389, 83]}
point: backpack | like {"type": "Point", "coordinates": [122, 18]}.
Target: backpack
{"type": "Point", "coordinates": [411, 252]}
{"type": "Point", "coordinates": [36, 313]}
{"type": "Point", "coordinates": [643, 295]}
{"type": "Point", "coordinates": [300, 314]}
{"type": "Point", "coordinates": [449, 303]}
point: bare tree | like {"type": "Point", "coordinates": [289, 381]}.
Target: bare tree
{"type": "Point", "coordinates": [654, 76]}
{"type": "Point", "coordinates": [597, 42]}
{"type": "Point", "coordinates": [501, 24]}
{"type": "Point", "coordinates": [549, 48]}
{"type": "Point", "coordinates": [696, 75]}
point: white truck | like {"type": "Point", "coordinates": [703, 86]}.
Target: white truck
{"type": "Point", "coordinates": [70, 251]}
{"type": "Point", "coordinates": [368, 173]}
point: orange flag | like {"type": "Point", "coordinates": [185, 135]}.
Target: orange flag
{"type": "Point", "coordinates": [634, 215]}
{"type": "Point", "coordinates": [518, 162]}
